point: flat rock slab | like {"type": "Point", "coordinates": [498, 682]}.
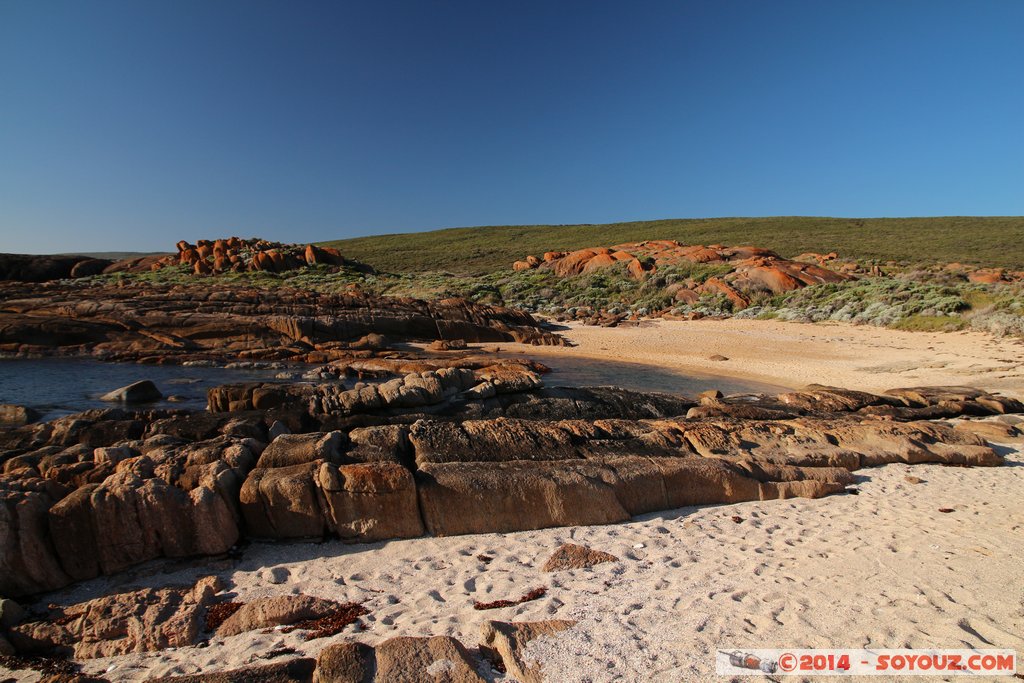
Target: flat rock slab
{"type": "Point", "coordinates": [138, 621]}
{"type": "Point", "coordinates": [292, 671]}
{"type": "Point", "coordinates": [277, 611]}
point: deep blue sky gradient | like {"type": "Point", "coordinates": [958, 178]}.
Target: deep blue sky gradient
{"type": "Point", "coordinates": [129, 125]}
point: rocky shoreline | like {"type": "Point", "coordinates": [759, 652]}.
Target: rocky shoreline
{"type": "Point", "coordinates": [217, 322]}
{"type": "Point", "coordinates": [99, 492]}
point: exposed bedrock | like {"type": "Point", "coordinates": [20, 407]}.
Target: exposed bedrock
{"type": "Point", "coordinates": [149, 620]}
{"type": "Point", "coordinates": [508, 389]}
{"type": "Point", "coordinates": [364, 502]}
{"type": "Point", "coordinates": [464, 498]}
{"type": "Point", "coordinates": [138, 621]}
{"type": "Point", "coordinates": [167, 324]}
{"type": "Point", "coordinates": [98, 492]}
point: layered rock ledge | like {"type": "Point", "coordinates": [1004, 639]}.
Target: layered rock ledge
{"type": "Point", "coordinates": [222, 322]}
{"type": "Point", "coordinates": [98, 492]}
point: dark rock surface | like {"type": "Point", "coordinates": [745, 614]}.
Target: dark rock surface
{"type": "Point", "coordinates": [30, 268]}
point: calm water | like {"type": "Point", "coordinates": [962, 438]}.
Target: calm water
{"type": "Point", "coordinates": [60, 386]}
{"type": "Point", "coordinates": [63, 386]}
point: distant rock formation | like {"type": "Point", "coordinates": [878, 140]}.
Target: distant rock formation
{"type": "Point", "coordinates": [205, 257]}
{"type": "Point", "coordinates": [753, 269]}
{"type": "Point", "coordinates": [209, 257]}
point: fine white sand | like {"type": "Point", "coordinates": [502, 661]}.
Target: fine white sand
{"type": "Point", "coordinates": [883, 568]}
{"type": "Point", "coordinates": [796, 354]}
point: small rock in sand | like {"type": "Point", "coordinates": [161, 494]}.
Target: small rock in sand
{"type": "Point", "coordinates": [911, 479]}
{"type": "Point", "coordinates": [718, 357]}
{"type": "Point", "coordinates": [572, 556]}
{"type": "Point", "coordinates": [277, 611]}
{"type": "Point", "coordinates": [448, 345]}
{"type": "Point", "coordinates": [276, 575]}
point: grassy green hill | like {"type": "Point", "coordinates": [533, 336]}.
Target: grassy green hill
{"type": "Point", "coordinates": [990, 241]}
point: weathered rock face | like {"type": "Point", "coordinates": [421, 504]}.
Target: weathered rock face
{"type": "Point", "coordinates": [463, 498]}
{"type": "Point", "coordinates": [169, 324]}
{"type": "Point", "coordinates": [365, 502]}
{"type": "Point", "coordinates": [127, 519]}
{"type": "Point", "coordinates": [333, 407]}
{"type": "Point", "coordinates": [753, 269]}
{"type": "Point", "coordinates": [210, 257]}
{"type": "Point", "coordinates": [78, 512]}
{"type": "Point", "coordinates": [28, 562]}
{"type": "Point", "coordinates": [299, 449]}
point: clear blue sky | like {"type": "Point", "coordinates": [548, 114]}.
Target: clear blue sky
{"type": "Point", "coordinates": [130, 125]}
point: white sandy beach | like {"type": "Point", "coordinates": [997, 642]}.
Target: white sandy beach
{"type": "Point", "coordinates": [883, 569]}
{"type": "Point", "coordinates": [796, 354]}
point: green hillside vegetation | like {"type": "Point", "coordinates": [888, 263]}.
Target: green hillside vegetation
{"type": "Point", "coordinates": [927, 300]}
{"type": "Point", "coordinates": [476, 263]}
{"type": "Point", "coordinates": [987, 241]}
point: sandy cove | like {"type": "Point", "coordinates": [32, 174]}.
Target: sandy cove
{"type": "Point", "coordinates": [883, 568]}
{"type": "Point", "coordinates": [793, 354]}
